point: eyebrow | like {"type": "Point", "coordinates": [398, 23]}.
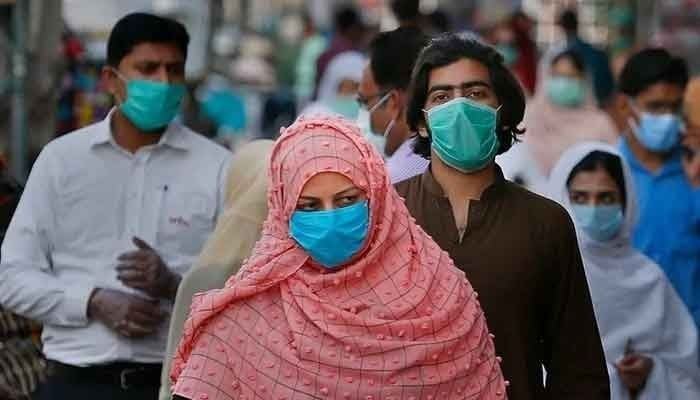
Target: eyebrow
{"type": "Point", "coordinates": [346, 191]}
{"type": "Point", "coordinates": [465, 85]}
{"type": "Point", "coordinates": [160, 62]}
{"type": "Point", "coordinates": [341, 193]}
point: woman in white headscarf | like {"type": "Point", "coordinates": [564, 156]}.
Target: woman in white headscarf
{"type": "Point", "coordinates": [649, 338]}
{"type": "Point", "coordinates": [337, 90]}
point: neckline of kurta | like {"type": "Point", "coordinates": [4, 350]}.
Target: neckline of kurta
{"type": "Point", "coordinates": [478, 208]}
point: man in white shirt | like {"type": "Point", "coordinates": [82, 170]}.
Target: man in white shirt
{"type": "Point", "coordinates": [383, 95]}
{"type": "Point", "coordinates": [112, 216]}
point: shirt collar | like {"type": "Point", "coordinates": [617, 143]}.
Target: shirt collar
{"type": "Point", "coordinates": [432, 186]}
{"type": "Point", "coordinates": [173, 137]}
{"type": "Point", "coordinates": [672, 165]}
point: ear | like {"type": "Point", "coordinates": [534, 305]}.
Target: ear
{"type": "Point", "coordinates": [624, 107]}
{"type": "Point", "coordinates": [110, 81]}
{"type": "Point", "coordinates": [396, 103]}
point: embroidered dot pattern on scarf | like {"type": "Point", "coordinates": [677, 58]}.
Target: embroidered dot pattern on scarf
{"type": "Point", "coordinates": [399, 321]}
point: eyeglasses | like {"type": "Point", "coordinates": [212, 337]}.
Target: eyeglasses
{"type": "Point", "coordinates": [365, 101]}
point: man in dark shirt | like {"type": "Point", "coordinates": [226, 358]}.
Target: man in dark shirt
{"type": "Point", "coordinates": [518, 250]}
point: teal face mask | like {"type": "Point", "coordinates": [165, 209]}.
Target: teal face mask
{"type": "Point", "coordinates": [151, 105]}
{"type": "Point", "coordinates": [333, 237]}
{"type": "Point", "coordinates": [509, 52]}
{"type": "Point", "coordinates": [346, 106]}
{"type": "Point", "coordinates": [463, 134]}
{"type": "Point", "coordinates": [565, 92]}
{"type": "Point", "coordinates": [364, 122]}
{"type": "Point", "coordinates": [601, 223]}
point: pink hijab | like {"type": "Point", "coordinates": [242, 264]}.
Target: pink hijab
{"type": "Point", "coordinates": [400, 321]}
{"type": "Point", "coordinates": [552, 129]}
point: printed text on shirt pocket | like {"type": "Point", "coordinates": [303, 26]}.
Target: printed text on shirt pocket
{"type": "Point", "coordinates": [187, 218]}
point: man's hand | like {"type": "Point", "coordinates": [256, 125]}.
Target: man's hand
{"type": "Point", "coordinates": [144, 270]}
{"type": "Point", "coordinates": [634, 369]}
{"type": "Point", "coordinates": [691, 158]}
{"type": "Point", "coordinates": [130, 316]}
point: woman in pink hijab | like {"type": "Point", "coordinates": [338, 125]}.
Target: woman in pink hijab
{"type": "Point", "coordinates": [563, 111]}
{"type": "Point", "coordinates": [345, 297]}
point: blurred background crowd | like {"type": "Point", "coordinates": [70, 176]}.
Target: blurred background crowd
{"type": "Point", "coordinates": [254, 66]}
{"type": "Point", "coordinates": [257, 60]}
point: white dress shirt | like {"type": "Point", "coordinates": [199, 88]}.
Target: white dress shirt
{"type": "Point", "coordinates": [85, 199]}
{"type": "Point", "coordinates": [404, 164]}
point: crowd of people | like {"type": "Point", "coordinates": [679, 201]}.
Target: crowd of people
{"type": "Point", "coordinates": [444, 220]}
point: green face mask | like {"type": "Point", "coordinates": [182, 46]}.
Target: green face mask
{"type": "Point", "coordinates": [565, 92]}
{"type": "Point", "coordinates": [151, 105]}
{"type": "Point", "coordinates": [464, 134]}
{"type": "Point", "coordinates": [509, 52]}
{"type": "Point", "coordinates": [346, 106]}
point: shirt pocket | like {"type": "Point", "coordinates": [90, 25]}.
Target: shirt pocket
{"type": "Point", "coordinates": [186, 220]}
{"type": "Point", "coordinates": [79, 210]}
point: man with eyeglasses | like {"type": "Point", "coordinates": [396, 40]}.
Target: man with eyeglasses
{"type": "Point", "coordinates": [517, 249]}
{"type": "Point", "coordinates": [653, 82]}
{"type": "Point", "coordinates": [382, 97]}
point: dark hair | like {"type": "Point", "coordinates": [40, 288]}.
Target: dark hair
{"type": "Point", "coordinates": [649, 67]}
{"type": "Point", "coordinates": [138, 28]}
{"type": "Point", "coordinates": [393, 55]}
{"type": "Point", "coordinates": [572, 55]}
{"type": "Point", "coordinates": [439, 21]}
{"type": "Point", "coordinates": [405, 10]}
{"type": "Point", "coordinates": [568, 20]}
{"type": "Point", "coordinates": [448, 49]}
{"type": "Point", "coordinates": [610, 163]}
{"type": "Point", "coordinates": [346, 18]}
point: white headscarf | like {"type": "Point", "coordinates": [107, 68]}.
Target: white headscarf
{"type": "Point", "coordinates": [634, 303]}
{"type": "Point", "coordinates": [346, 65]}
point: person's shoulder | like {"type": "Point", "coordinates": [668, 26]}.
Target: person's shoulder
{"type": "Point", "coordinates": [201, 145]}
{"type": "Point", "coordinates": [75, 141]}
{"type": "Point", "coordinates": [537, 206]}
{"type": "Point", "coordinates": [405, 187]}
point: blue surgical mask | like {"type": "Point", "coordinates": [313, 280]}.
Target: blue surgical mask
{"type": "Point", "coordinates": [660, 133]}
{"type": "Point", "coordinates": [565, 92]}
{"type": "Point", "coordinates": [151, 105]}
{"type": "Point", "coordinates": [463, 134]}
{"type": "Point", "coordinates": [601, 223]}
{"type": "Point", "coordinates": [332, 237]}
{"type": "Point", "coordinates": [364, 122]}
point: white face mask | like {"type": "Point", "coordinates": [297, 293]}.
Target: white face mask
{"type": "Point", "coordinates": [364, 122]}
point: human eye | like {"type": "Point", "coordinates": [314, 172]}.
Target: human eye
{"type": "Point", "coordinates": [608, 199]}
{"type": "Point", "coordinates": [347, 201]}
{"type": "Point", "coordinates": [307, 205]}
{"type": "Point", "coordinates": [578, 198]}
{"type": "Point", "coordinates": [477, 94]}
{"type": "Point", "coordinates": [440, 97]}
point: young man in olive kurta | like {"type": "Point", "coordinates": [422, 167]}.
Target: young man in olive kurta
{"type": "Point", "coordinates": [518, 250]}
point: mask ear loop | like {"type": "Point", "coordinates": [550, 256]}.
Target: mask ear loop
{"type": "Point", "coordinates": [379, 103]}
{"type": "Point", "coordinates": [123, 79]}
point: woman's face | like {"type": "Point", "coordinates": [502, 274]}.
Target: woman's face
{"type": "Point", "coordinates": [327, 191]}
{"type": "Point", "coordinates": [348, 88]}
{"type": "Point", "coordinates": [565, 68]}
{"type": "Point", "coordinates": [594, 188]}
